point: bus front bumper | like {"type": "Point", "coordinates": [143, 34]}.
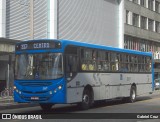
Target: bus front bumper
{"type": "Point", "coordinates": [48, 97]}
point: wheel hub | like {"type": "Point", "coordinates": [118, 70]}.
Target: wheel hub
{"type": "Point", "coordinates": [133, 95]}
{"type": "Point", "coordinates": [86, 99]}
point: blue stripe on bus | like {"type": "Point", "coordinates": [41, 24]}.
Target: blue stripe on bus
{"type": "Point", "coordinates": [103, 47]}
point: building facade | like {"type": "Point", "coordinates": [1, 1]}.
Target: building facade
{"type": "Point", "coordinates": [142, 28]}
{"type": "Point", "coordinates": [7, 47]}
{"type": "Point", "coordinates": [94, 21]}
{"type": "Point", "coordinates": [130, 24]}
{"type": "Point", "coordinates": [142, 25]}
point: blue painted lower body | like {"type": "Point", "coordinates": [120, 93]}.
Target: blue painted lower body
{"type": "Point", "coordinates": [40, 94]}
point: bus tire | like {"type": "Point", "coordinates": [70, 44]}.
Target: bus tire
{"type": "Point", "coordinates": [132, 97]}
{"type": "Point", "coordinates": [46, 106]}
{"type": "Point", "coordinates": [87, 99]}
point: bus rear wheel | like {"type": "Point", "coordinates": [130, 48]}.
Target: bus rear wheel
{"type": "Point", "coordinates": [132, 97]}
{"type": "Point", "coordinates": [46, 107]}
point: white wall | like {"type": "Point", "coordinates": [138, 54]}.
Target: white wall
{"type": "Point", "coordinates": [2, 18]}
{"type": "Point", "coordinates": [26, 19]}
{"type": "Point", "coordinates": [93, 21]}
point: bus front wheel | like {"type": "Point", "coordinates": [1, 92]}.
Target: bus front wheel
{"type": "Point", "coordinates": [87, 99]}
{"type": "Point", "coordinates": [46, 107]}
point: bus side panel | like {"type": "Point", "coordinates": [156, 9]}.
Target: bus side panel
{"type": "Point", "coordinates": [74, 95]}
{"type": "Point", "coordinates": [76, 86]}
{"type": "Point", "coordinates": [108, 85]}
{"type": "Point", "coordinates": [125, 90]}
{"type": "Point", "coordinates": [96, 91]}
{"type": "Point", "coordinates": [141, 90]}
{"type": "Point", "coordinates": [143, 83]}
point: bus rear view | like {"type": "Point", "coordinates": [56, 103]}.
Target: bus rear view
{"type": "Point", "coordinates": [39, 74]}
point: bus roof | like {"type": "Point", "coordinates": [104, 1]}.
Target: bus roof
{"type": "Point", "coordinates": [103, 47]}
{"type": "Point", "coordinates": [90, 45]}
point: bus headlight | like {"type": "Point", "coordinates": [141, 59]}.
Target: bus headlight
{"type": "Point", "coordinates": [14, 87]}
{"type": "Point", "coordinates": [20, 92]}
{"type": "Point", "coordinates": [55, 91]}
{"type": "Point", "coordinates": [50, 92]}
{"type": "Point", "coordinates": [60, 87]}
{"type": "Point", "coordinates": [17, 90]}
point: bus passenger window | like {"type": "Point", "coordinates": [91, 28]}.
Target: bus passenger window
{"type": "Point", "coordinates": [106, 66]}
{"type": "Point", "coordinates": [113, 68]}
{"type": "Point", "coordinates": [88, 60]}
{"type": "Point", "coordinates": [84, 67]}
{"type": "Point", "coordinates": [148, 64]}
{"type": "Point", "coordinates": [102, 61]}
{"type": "Point", "coordinates": [117, 64]}
{"type": "Point", "coordinates": [123, 68]}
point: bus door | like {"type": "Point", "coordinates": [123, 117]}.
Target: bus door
{"type": "Point", "coordinates": [71, 69]}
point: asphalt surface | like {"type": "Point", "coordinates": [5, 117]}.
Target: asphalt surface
{"type": "Point", "coordinates": [148, 103]}
{"type": "Point", "coordinates": [8, 102]}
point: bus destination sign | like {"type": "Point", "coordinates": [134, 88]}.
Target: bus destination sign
{"type": "Point", "coordinates": [38, 45]}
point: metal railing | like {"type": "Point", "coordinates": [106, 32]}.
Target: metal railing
{"type": "Point", "coordinates": [7, 93]}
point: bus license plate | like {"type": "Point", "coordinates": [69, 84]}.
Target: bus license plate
{"type": "Point", "coordinates": [34, 98]}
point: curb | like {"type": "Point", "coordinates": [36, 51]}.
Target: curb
{"type": "Point", "coordinates": [13, 105]}
{"type": "Point", "coordinates": [6, 101]}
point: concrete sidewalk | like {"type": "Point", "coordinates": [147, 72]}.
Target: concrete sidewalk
{"type": "Point", "coordinates": [8, 103]}
{"type": "Point", "coordinates": [6, 99]}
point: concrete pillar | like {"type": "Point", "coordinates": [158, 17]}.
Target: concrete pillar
{"type": "Point", "coordinates": [52, 19]}
{"type": "Point", "coordinates": [31, 19]}
{"type": "Point", "coordinates": [146, 3]}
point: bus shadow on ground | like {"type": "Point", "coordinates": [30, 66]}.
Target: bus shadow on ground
{"type": "Point", "coordinates": [117, 102]}
{"type": "Point", "coordinates": [75, 108]}
{"type": "Point", "coordinates": [143, 98]}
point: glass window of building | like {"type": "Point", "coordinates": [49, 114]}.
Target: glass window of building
{"type": "Point", "coordinates": [135, 19]}
{"type": "Point", "coordinates": [127, 17]}
{"type": "Point", "coordinates": [140, 44]}
{"type": "Point", "coordinates": [157, 27]}
{"type": "Point", "coordinates": [150, 4]}
{"type": "Point", "coordinates": [150, 24]}
{"type": "Point", "coordinates": [143, 22]}
{"type": "Point", "coordinates": [143, 3]}
{"type": "Point", "coordinates": [157, 7]}
{"type": "Point", "coordinates": [135, 1]}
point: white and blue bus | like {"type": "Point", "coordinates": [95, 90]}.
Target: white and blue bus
{"type": "Point", "coordinates": [52, 72]}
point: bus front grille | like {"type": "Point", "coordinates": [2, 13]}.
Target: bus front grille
{"type": "Point", "coordinates": [35, 92]}
{"type": "Point", "coordinates": [35, 83]}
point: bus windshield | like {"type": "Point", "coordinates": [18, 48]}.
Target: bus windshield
{"type": "Point", "coordinates": [39, 66]}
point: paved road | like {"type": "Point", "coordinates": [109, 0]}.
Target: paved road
{"type": "Point", "coordinates": [145, 104]}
